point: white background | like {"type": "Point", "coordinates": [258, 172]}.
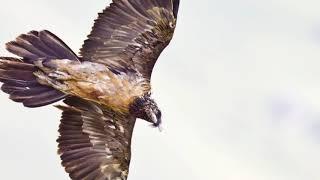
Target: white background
{"type": "Point", "coordinates": [239, 87]}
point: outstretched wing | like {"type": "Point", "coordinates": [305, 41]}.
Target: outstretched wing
{"type": "Point", "coordinates": [94, 142]}
{"type": "Point", "coordinates": [129, 35]}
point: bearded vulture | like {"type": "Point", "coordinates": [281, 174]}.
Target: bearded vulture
{"type": "Point", "coordinates": [105, 88]}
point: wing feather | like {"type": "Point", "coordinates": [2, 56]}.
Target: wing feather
{"type": "Point", "coordinates": [129, 35]}
{"type": "Point", "coordinates": [91, 142]}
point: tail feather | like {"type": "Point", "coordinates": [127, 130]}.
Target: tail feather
{"type": "Point", "coordinates": [22, 85]}
{"type": "Point", "coordinates": [17, 75]}
{"type": "Point", "coordinates": [44, 44]}
{"type": "Point", "coordinates": [10, 85]}
{"type": "Point", "coordinates": [9, 88]}
{"type": "Point", "coordinates": [21, 75]}
{"type": "Point", "coordinates": [44, 99]}
{"type": "Point", "coordinates": [18, 49]}
{"type": "Point", "coordinates": [57, 45]}
{"type": "Point", "coordinates": [34, 39]}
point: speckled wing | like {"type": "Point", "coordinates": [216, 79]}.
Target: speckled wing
{"type": "Point", "coordinates": [94, 142]}
{"type": "Point", "coordinates": [129, 35]}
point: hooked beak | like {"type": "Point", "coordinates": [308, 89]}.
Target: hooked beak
{"type": "Point", "coordinates": [156, 122]}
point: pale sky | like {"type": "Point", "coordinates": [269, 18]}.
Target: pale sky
{"type": "Point", "coordinates": [239, 88]}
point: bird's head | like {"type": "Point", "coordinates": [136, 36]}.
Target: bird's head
{"type": "Point", "coordinates": [146, 108]}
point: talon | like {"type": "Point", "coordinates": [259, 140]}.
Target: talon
{"type": "Point", "coordinates": [59, 75]}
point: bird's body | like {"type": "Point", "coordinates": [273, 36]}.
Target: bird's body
{"type": "Point", "coordinates": [94, 82]}
{"type": "Point", "coordinates": [105, 89]}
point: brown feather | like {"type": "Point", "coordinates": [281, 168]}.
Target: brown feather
{"type": "Point", "coordinates": [92, 153]}
{"type": "Point", "coordinates": [130, 35]}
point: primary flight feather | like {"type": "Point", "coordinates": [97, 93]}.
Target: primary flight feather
{"type": "Point", "coordinates": [104, 89]}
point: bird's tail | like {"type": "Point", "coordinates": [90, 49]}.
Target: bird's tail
{"type": "Point", "coordinates": [17, 74]}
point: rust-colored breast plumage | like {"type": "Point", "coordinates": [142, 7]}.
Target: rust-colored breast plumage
{"type": "Point", "coordinates": [95, 82]}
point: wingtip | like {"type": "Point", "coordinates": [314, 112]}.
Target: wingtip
{"type": "Point", "coordinates": [9, 45]}
{"type": "Point", "coordinates": [58, 106]}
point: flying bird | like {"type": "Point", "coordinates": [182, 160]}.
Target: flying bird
{"type": "Point", "coordinates": [105, 88]}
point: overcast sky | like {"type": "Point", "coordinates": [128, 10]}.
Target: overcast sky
{"type": "Point", "coordinates": [239, 87]}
